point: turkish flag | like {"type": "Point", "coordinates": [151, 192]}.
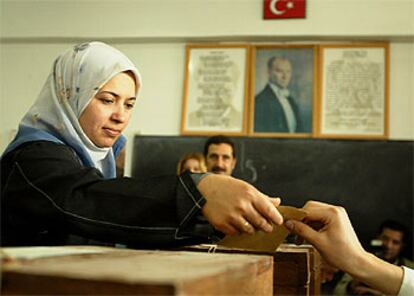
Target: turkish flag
{"type": "Point", "coordinates": [277, 9]}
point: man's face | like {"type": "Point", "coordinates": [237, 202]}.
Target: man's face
{"type": "Point", "coordinates": [280, 73]}
{"type": "Point", "coordinates": [392, 243]}
{"type": "Point", "coordinates": [220, 159]}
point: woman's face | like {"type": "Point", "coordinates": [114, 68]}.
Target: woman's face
{"type": "Point", "coordinates": [108, 113]}
{"type": "Point", "coordinates": [192, 165]}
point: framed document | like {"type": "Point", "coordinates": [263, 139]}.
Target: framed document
{"type": "Point", "coordinates": [215, 90]}
{"type": "Point", "coordinates": [354, 91]}
{"type": "Point", "coordinates": [282, 90]}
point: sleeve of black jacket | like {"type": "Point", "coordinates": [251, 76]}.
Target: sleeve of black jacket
{"type": "Point", "coordinates": [47, 195]}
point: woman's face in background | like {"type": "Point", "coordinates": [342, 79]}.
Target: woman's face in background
{"type": "Point", "coordinates": [109, 111]}
{"type": "Point", "coordinates": [192, 165]}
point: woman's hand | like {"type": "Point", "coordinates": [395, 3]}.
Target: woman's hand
{"type": "Point", "coordinates": [234, 206]}
{"type": "Point", "coordinates": [338, 244]}
{"type": "Point", "coordinates": [334, 237]}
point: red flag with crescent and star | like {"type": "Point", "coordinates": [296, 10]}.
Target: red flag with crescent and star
{"type": "Point", "coordinates": [280, 9]}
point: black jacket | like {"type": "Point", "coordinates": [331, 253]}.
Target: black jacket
{"type": "Point", "coordinates": [269, 115]}
{"type": "Point", "coordinates": [49, 198]}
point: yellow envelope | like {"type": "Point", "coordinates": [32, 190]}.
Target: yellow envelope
{"type": "Point", "coordinates": [264, 241]}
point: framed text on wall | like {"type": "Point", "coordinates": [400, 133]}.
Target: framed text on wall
{"type": "Point", "coordinates": [353, 91]}
{"type": "Point", "coordinates": [215, 90]}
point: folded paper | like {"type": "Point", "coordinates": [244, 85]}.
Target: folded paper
{"type": "Point", "coordinates": [264, 241]}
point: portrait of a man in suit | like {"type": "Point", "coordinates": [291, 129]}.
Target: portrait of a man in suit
{"type": "Point", "coordinates": [282, 106]}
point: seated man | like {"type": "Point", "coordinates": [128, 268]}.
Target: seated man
{"type": "Point", "coordinates": [220, 155]}
{"type": "Point", "coordinates": [393, 236]}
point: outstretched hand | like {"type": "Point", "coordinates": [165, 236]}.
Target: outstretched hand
{"type": "Point", "coordinates": [234, 206]}
{"type": "Point", "coordinates": [334, 237]}
{"type": "Point", "coordinates": [338, 244]}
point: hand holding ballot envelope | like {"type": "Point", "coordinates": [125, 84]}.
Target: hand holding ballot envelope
{"type": "Point", "coordinates": [234, 206]}
{"type": "Point", "coordinates": [335, 239]}
{"type": "Point", "coordinates": [262, 241]}
{"type": "Point", "coordinates": [329, 229]}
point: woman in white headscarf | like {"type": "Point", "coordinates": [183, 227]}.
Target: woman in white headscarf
{"type": "Point", "coordinates": [77, 76]}
{"type": "Point", "coordinates": [58, 175]}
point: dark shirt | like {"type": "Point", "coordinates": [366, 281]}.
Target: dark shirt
{"type": "Point", "coordinates": [49, 198]}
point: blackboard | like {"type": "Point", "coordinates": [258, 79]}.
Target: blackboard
{"type": "Point", "coordinates": [373, 180]}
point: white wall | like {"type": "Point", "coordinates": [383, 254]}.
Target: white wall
{"type": "Point", "coordinates": [200, 18]}
{"type": "Point", "coordinates": [153, 33]}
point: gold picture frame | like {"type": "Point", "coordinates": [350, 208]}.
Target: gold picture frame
{"type": "Point", "coordinates": [354, 91]}
{"type": "Point", "coordinates": [283, 90]}
{"type": "Point", "coordinates": [215, 89]}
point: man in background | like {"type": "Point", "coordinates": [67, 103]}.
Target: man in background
{"type": "Point", "coordinates": [393, 236]}
{"type": "Point", "coordinates": [220, 155]}
{"type": "Point", "coordinates": [275, 110]}
{"type": "Point", "coordinates": [392, 239]}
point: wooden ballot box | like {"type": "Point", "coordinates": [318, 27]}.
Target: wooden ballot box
{"type": "Point", "coordinates": [109, 271]}
{"type": "Point", "coordinates": [296, 268]}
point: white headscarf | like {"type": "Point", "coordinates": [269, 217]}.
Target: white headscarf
{"type": "Point", "coordinates": [76, 77]}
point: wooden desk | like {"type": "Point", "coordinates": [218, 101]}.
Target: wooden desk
{"type": "Point", "coordinates": [296, 268]}
{"type": "Point", "coordinates": [110, 271]}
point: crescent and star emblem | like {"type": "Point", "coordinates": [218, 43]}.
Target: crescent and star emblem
{"type": "Point", "coordinates": [274, 9]}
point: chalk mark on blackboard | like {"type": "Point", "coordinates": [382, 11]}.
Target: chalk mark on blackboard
{"type": "Point", "coordinates": [250, 166]}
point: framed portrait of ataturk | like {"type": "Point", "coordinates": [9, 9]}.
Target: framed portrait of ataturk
{"type": "Point", "coordinates": [353, 91]}
{"type": "Point", "coordinates": [282, 92]}
{"type": "Point", "coordinates": [215, 89]}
